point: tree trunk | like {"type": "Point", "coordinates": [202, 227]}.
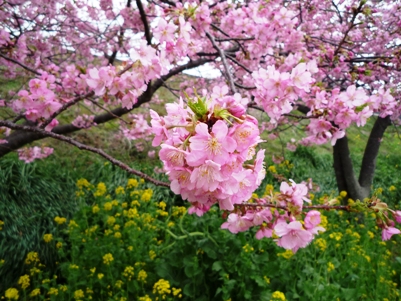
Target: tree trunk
{"type": "Point", "coordinates": [343, 168]}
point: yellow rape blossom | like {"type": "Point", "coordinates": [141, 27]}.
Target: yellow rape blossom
{"type": "Point", "coordinates": [108, 258]}
{"type": "Point", "coordinates": [152, 254]}
{"type": "Point", "coordinates": [78, 294]}
{"type": "Point", "coordinates": [100, 276]}
{"type": "Point", "coordinates": [111, 220]}
{"type": "Point", "coordinates": [1, 225]}
{"type": "Point", "coordinates": [32, 257]}
{"type": "Point", "coordinates": [48, 238]}
{"type": "Point", "coordinates": [83, 183]}
{"type": "Point", "coordinates": [35, 292]}
{"type": "Point", "coordinates": [24, 281]}
{"type": "Point", "coordinates": [142, 275]}
{"type": "Point", "coordinates": [330, 267]}
{"type": "Point", "coordinates": [287, 254]}
{"type": "Point", "coordinates": [95, 209]}
{"type": "Point", "coordinates": [53, 291]}
{"type": "Point", "coordinates": [120, 190]}
{"type": "Point", "coordinates": [162, 205]}
{"type": "Point", "coordinates": [60, 220]}
{"type": "Point", "coordinates": [108, 206]}
{"type": "Point", "coordinates": [145, 298]}
{"type": "Point", "coordinates": [176, 291]}
{"type": "Point", "coordinates": [132, 183]}
{"type": "Point", "coordinates": [12, 293]}
{"type": "Point", "coordinates": [147, 195]}
{"type": "Point", "coordinates": [279, 296]}
{"type": "Point", "coordinates": [161, 287]}
{"type": "Point", "coordinates": [101, 189]}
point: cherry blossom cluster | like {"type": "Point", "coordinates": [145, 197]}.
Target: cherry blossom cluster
{"type": "Point", "coordinates": [208, 149]}
{"type": "Point", "coordinates": [40, 101]}
{"type": "Point", "coordinates": [138, 128]}
{"type": "Point", "coordinates": [278, 91]}
{"type": "Point", "coordinates": [84, 121]}
{"type": "Point", "coordinates": [290, 231]}
{"type": "Point", "coordinates": [337, 110]}
{"type": "Point", "coordinates": [29, 154]}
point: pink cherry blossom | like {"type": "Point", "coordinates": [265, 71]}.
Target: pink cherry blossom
{"type": "Point", "coordinates": [292, 236]}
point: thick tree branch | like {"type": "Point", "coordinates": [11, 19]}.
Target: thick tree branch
{"type": "Point", "coordinates": [82, 146]}
{"type": "Point", "coordinates": [18, 139]}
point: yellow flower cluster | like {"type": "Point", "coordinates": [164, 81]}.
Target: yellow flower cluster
{"type": "Point", "coordinates": [35, 292]}
{"type": "Point", "coordinates": [108, 258]}
{"type": "Point", "coordinates": [1, 225]}
{"type": "Point", "coordinates": [48, 238]}
{"type": "Point", "coordinates": [145, 298]}
{"type": "Point", "coordinates": [108, 206]}
{"type": "Point", "coordinates": [178, 211]}
{"type": "Point", "coordinates": [142, 275]}
{"type": "Point", "coordinates": [101, 189]}
{"type": "Point", "coordinates": [53, 291]}
{"type": "Point", "coordinates": [336, 235]}
{"type": "Point", "coordinates": [152, 254]}
{"type": "Point", "coordinates": [321, 244]}
{"type": "Point", "coordinates": [78, 294]}
{"type": "Point", "coordinates": [162, 205]}
{"type": "Point", "coordinates": [278, 296]}
{"type": "Point", "coordinates": [128, 272]}
{"type": "Point", "coordinates": [330, 267]}
{"type": "Point", "coordinates": [247, 248]}
{"type": "Point", "coordinates": [32, 257]}
{"type": "Point", "coordinates": [132, 183]}
{"type": "Point", "coordinates": [177, 291]}
{"type": "Point", "coordinates": [287, 254]}
{"type": "Point", "coordinates": [147, 195]}
{"type": "Point", "coordinates": [161, 287]}
{"type": "Point", "coordinates": [119, 283]}
{"type": "Point", "coordinates": [120, 190]}
{"type": "Point", "coordinates": [83, 183]}
{"type": "Point", "coordinates": [60, 220]}
{"type": "Point", "coordinates": [12, 293]}
{"type": "Point", "coordinates": [24, 281]}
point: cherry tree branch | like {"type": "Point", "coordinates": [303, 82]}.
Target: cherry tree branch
{"type": "Point", "coordinates": [82, 146]}
{"type": "Point", "coordinates": [224, 61]}
{"type": "Point", "coordinates": [20, 64]}
{"type": "Point", "coordinates": [316, 207]}
{"type": "Point", "coordinates": [18, 138]}
{"type": "Point", "coordinates": [144, 21]}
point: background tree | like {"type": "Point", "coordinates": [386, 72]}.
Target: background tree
{"type": "Point", "coordinates": [337, 62]}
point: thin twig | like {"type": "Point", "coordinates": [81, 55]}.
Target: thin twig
{"type": "Point", "coordinates": [224, 61]}
{"type": "Point", "coordinates": [21, 64]}
{"type": "Point", "coordinates": [82, 146]}
{"type": "Point", "coordinates": [144, 21]}
{"type": "Point", "coordinates": [321, 207]}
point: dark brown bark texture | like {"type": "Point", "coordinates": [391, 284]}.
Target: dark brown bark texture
{"type": "Point", "coordinates": [358, 188]}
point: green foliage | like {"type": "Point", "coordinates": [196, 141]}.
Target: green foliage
{"type": "Point", "coordinates": [29, 200]}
